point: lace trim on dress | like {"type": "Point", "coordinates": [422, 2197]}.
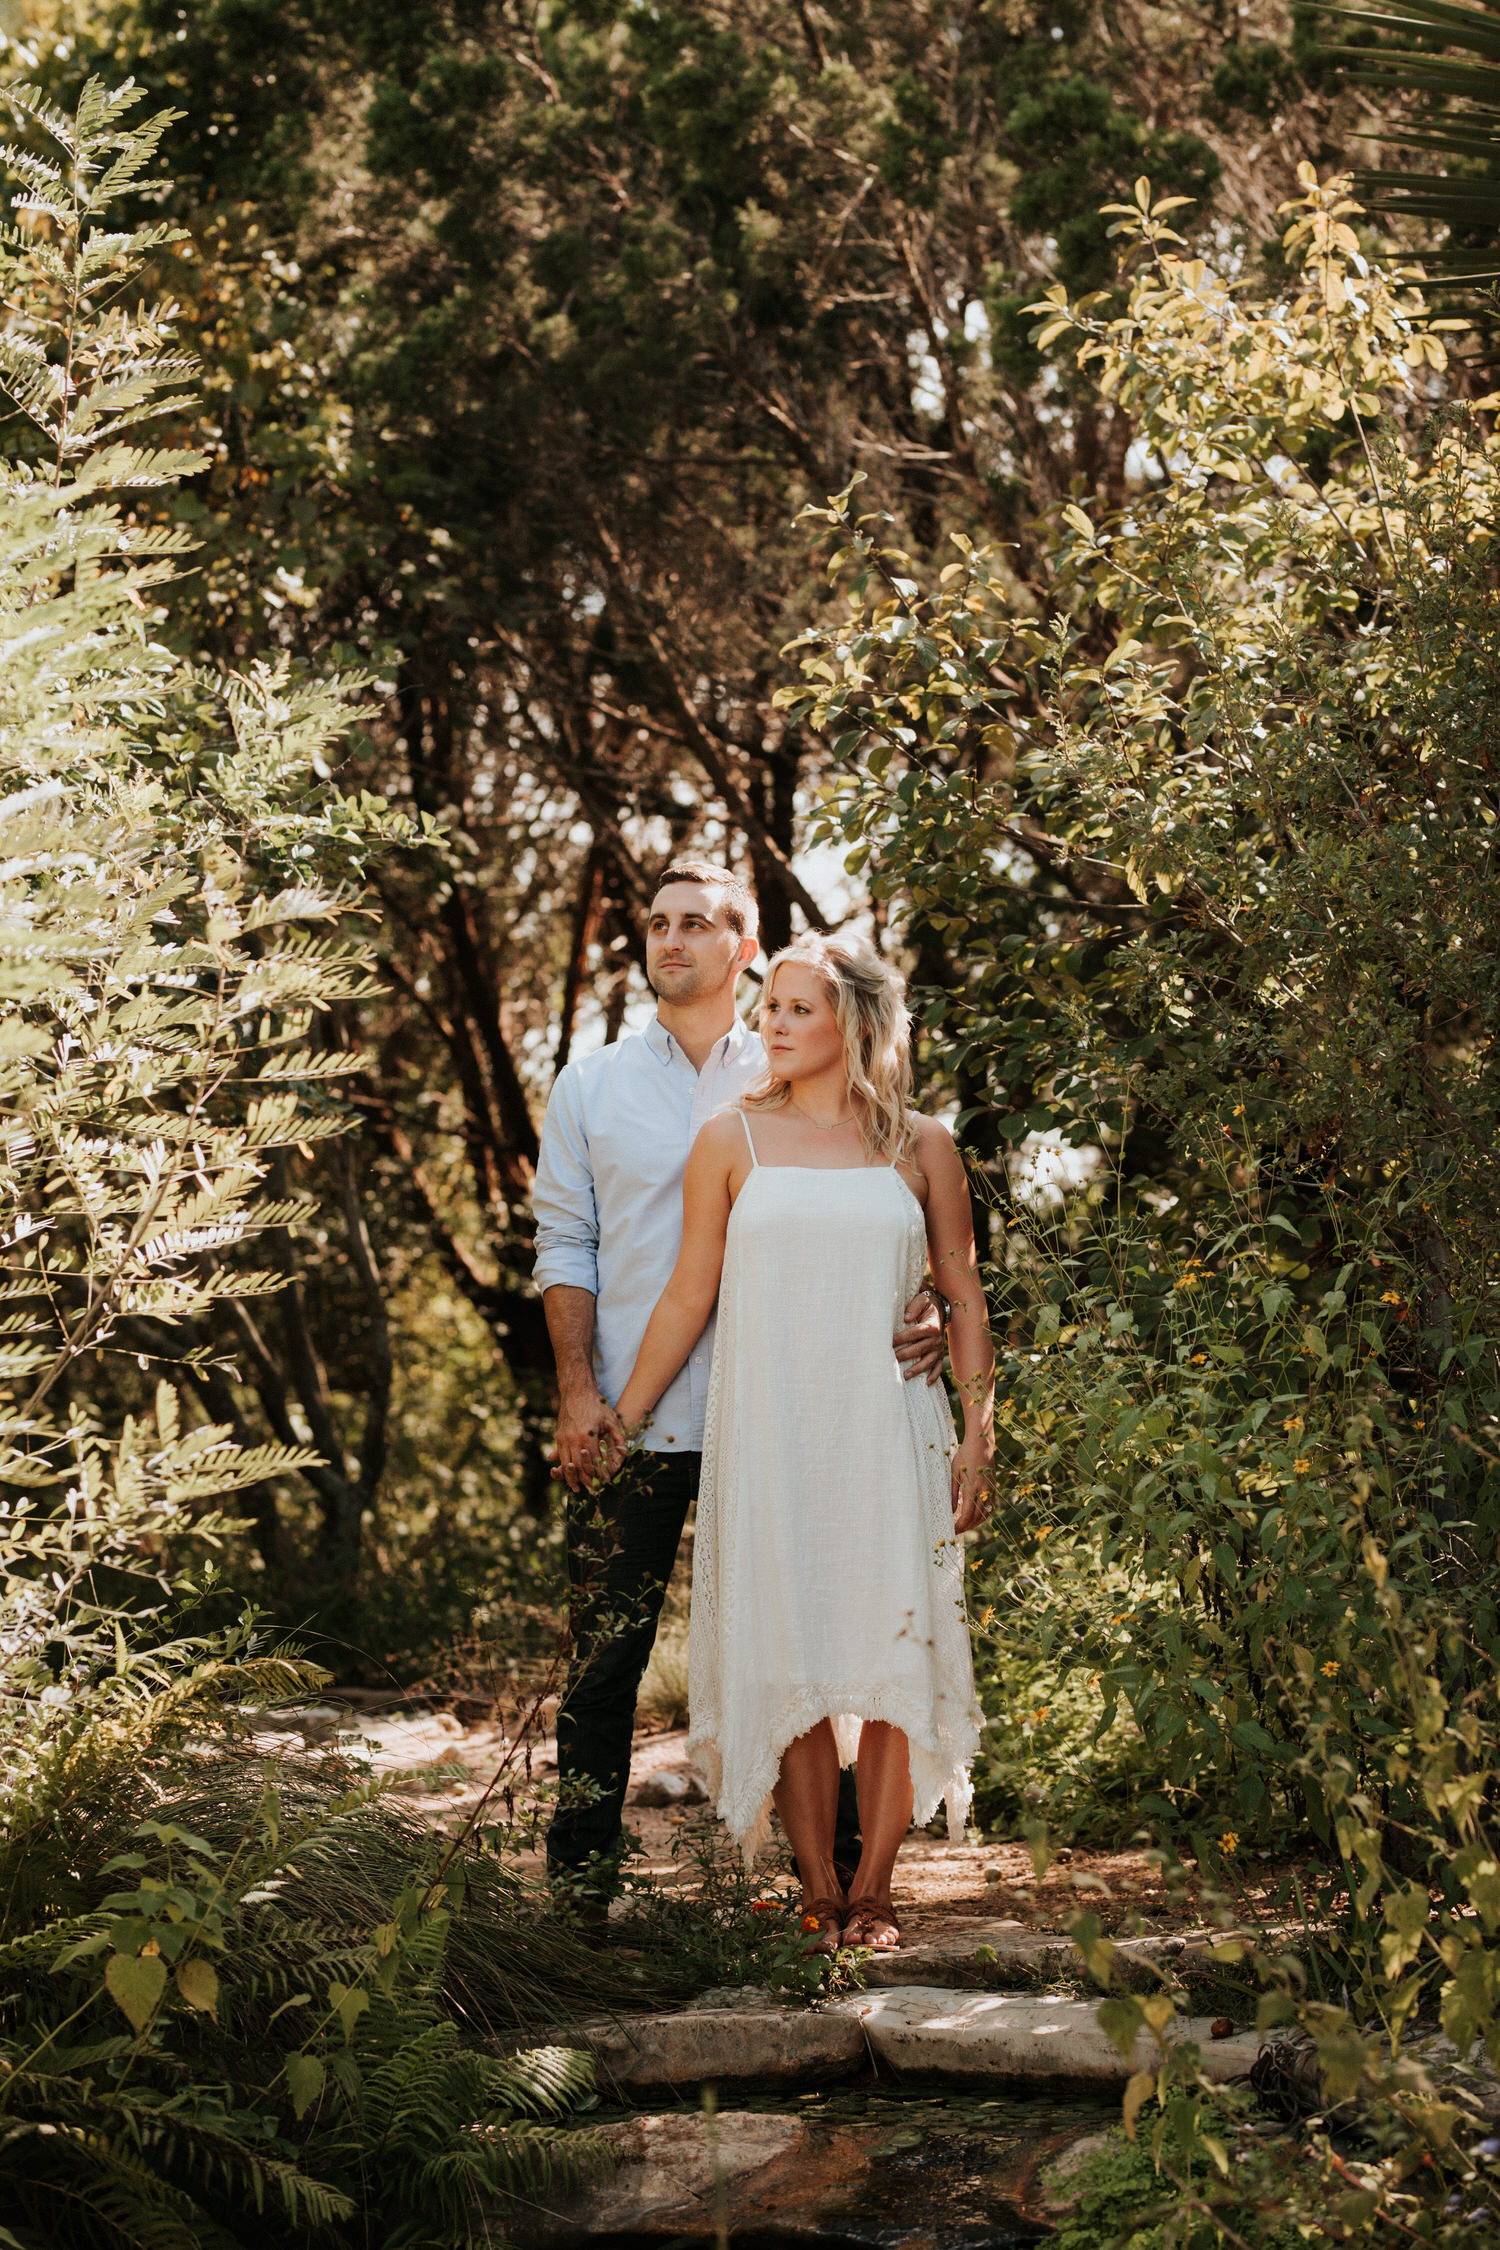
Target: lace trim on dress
{"type": "Point", "coordinates": [939, 1770]}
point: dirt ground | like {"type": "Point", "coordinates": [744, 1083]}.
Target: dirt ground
{"type": "Point", "coordinates": [443, 1766]}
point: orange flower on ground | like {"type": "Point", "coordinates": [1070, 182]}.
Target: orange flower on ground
{"type": "Point", "coordinates": [811, 1922]}
{"type": "Point", "coordinates": [765, 1906]}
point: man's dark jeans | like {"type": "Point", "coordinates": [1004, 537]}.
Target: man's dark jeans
{"type": "Point", "coordinates": [622, 1544]}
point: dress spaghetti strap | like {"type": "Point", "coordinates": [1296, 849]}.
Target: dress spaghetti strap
{"type": "Point", "coordinates": [754, 1159]}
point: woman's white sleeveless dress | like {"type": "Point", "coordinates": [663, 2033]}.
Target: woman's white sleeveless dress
{"type": "Point", "coordinates": [827, 1581]}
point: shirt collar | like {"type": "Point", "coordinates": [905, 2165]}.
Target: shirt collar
{"type": "Point", "coordinates": [664, 1046]}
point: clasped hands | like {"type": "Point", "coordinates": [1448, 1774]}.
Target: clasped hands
{"type": "Point", "coordinates": [592, 1441]}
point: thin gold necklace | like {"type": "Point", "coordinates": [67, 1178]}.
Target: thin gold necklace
{"type": "Point", "coordinates": [817, 1128]}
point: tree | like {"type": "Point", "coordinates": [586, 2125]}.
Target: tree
{"type": "Point", "coordinates": [523, 348]}
{"type": "Point", "coordinates": [1257, 770]}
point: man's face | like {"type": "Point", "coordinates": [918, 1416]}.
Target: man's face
{"type": "Point", "coordinates": [691, 951]}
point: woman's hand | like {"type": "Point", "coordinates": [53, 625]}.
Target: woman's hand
{"type": "Point", "coordinates": [973, 1482]}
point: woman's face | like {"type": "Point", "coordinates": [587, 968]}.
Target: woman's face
{"type": "Point", "coordinates": [798, 1025]}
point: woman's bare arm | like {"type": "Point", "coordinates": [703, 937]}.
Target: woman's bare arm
{"type": "Point", "coordinates": [955, 1264]}
{"type": "Point", "coordinates": [683, 1307]}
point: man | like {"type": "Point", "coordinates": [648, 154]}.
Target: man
{"type": "Point", "coordinates": [608, 1204]}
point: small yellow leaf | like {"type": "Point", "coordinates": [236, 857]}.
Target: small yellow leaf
{"type": "Point", "coordinates": [135, 1984]}
{"type": "Point", "coordinates": [1138, 2091]}
{"type": "Point", "coordinates": [198, 1982]}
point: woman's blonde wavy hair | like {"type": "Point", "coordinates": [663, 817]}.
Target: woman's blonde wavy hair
{"type": "Point", "coordinates": [870, 1010]}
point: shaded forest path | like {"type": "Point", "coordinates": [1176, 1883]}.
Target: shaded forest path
{"type": "Point", "coordinates": [441, 1762]}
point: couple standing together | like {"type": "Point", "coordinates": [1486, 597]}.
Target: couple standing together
{"type": "Point", "coordinates": [786, 1180]}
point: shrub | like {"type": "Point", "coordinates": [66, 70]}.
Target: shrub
{"type": "Point", "coordinates": [1205, 856]}
{"type": "Point", "coordinates": [231, 2006]}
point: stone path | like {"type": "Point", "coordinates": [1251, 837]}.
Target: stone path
{"type": "Point", "coordinates": [1005, 2039]}
{"type": "Point", "coordinates": [952, 1896]}
{"type": "Point", "coordinates": [971, 1912]}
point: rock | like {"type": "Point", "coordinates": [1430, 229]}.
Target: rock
{"type": "Point", "coordinates": [671, 2176]}
{"type": "Point", "coordinates": [1002, 2039]}
{"type": "Point", "coordinates": [1012, 2038]}
{"type": "Point", "coordinates": [1059, 2195]}
{"type": "Point", "coordinates": [672, 1786]}
{"type": "Point", "coordinates": [949, 1959]}
{"type": "Point", "coordinates": [748, 2041]}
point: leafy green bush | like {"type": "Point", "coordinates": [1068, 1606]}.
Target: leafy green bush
{"type": "Point", "coordinates": [1115, 2198]}
{"type": "Point", "coordinates": [1205, 849]}
{"type": "Point", "coordinates": [233, 2008]}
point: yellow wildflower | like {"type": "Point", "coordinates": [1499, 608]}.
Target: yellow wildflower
{"type": "Point", "coordinates": [1292, 1422]}
{"type": "Point", "coordinates": [1390, 1297]}
{"type": "Point", "coordinates": [1330, 1669]}
{"type": "Point", "coordinates": [1229, 1841]}
{"type": "Point", "coordinates": [1301, 1465]}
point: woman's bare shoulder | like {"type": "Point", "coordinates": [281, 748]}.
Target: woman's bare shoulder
{"type": "Point", "coordinates": [723, 1133]}
{"type": "Point", "coordinates": [933, 1146]}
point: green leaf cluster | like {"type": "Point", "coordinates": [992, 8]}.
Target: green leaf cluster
{"type": "Point", "coordinates": [1200, 847]}
{"type": "Point", "coordinates": [224, 2019]}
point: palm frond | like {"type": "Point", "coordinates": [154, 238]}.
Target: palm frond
{"type": "Point", "coordinates": [1466, 198]}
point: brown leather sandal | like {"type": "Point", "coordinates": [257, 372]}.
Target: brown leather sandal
{"type": "Point", "coordinates": [872, 1922]}
{"type": "Point", "coordinates": [823, 1923]}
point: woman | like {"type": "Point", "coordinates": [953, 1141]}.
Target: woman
{"type": "Point", "coordinates": [828, 1581]}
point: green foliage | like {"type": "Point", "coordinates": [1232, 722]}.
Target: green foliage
{"type": "Point", "coordinates": [1410, 48]}
{"type": "Point", "coordinates": [517, 431]}
{"type": "Point", "coordinates": [722, 1926]}
{"type": "Point", "coordinates": [212, 2030]}
{"type": "Point", "coordinates": [282, 2053]}
{"type": "Point", "coordinates": [1118, 2199]}
{"type": "Point", "coordinates": [1215, 844]}
{"type": "Point", "coordinates": [1258, 78]}
{"type": "Point", "coordinates": [1221, 1379]}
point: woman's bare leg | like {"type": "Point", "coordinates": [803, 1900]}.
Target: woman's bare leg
{"type": "Point", "coordinates": [806, 1798]}
{"type": "Point", "coordinates": [885, 1805]}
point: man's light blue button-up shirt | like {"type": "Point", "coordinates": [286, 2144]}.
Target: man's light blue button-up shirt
{"type": "Point", "coordinates": [608, 1197]}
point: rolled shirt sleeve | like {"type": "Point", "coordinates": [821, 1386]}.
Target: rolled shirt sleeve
{"type": "Point", "coordinates": [608, 1198]}
{"type": "Point", "coordinates": [567, 1216]}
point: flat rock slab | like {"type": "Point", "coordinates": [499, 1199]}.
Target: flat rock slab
{"type": "Point", "coordinates": [1003, 2038]}
{"type": "Point", "coordinates": [734, 2041]}
{"type": "Point", "coordinates": [757, 2175]}
{"type": "Point", "coordinates": [1007, 2038]}
{"type": "Point", "coordinates": [950, 1958]}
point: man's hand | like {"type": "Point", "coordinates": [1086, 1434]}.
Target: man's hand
{"type": "Point", "coordinates": [922, 1345]}
{"type": "Point", "coordinates": [590, 1440]}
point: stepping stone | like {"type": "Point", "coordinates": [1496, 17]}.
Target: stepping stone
{"type": "Point", "coordinates": [1004, 2039]}
{"type": "Point", "coordinates": [1011, 2038]}
{"type": "Point", "coordinates": [949, 1958]}
{"type": "Point", "coordinates": [733, 2038]}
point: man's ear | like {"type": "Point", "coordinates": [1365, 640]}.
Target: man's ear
{"type": "Point", "coordinates": [749, 947]}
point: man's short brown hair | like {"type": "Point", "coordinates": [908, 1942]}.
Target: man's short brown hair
{"type": "Point", "coordinates": [738, 900]}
